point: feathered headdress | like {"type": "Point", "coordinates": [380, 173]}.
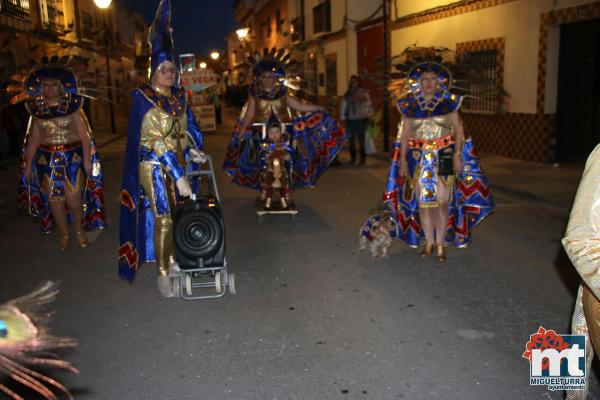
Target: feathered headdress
{"type": "Point", "coordinates": [278, 62]}
{"type": "Point", "coordinates": [28, 88]}
{"type": "Point", "coordinates": [161, 37]}
{"type": "Point", "coordinates": [24, 340]}
{"type": "Point", "coordinates": [413, 62]}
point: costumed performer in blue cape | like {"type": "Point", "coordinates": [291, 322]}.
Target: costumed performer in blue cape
{"type": "Point", "coordinates": [435, 188]}
{"type": "Point", "coordinates": [162, 138]}
{"type": "Point", "coordinates": [314, 138]}
{"type": "Point", "coordinates": [61, 178]}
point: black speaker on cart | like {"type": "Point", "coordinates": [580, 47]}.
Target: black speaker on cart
{"type": "Point", "coordinates": [199, 233]}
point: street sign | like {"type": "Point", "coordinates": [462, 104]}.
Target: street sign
{"type": "Point", "coordinates": [198, 80]}
{"type": "Point", "coordinates": [206, 117]}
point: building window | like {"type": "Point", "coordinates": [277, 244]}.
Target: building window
{"type": "Point", "coordinates": [298, 29]}
{"type": "Point", "coordinates": [481, 70]}
{"type": "Point", "coordinates": [87, 26]}
{"type": "Point", "coordinates": [278, 21]}
{"type": "Point", "coordinates": [53, 15]}
{"type": "Point", "coordinates": [322, 17]}
{"type": "Point", "coordinates": [15, 8]}
{"type": "Point", "coordinates": [268, 25]}
{"type": "Point", "coordinates": [311, 78]}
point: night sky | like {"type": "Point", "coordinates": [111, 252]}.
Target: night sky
{"type": "Point", "coordinates": [199, 25]}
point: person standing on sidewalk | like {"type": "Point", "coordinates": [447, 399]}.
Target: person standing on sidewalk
{"type": "Point", "coordinates": [59, 154]}
{"type": "Point", "coordinates": [356, 109]}
{"type": "Point", "coordinates": [163, 140]}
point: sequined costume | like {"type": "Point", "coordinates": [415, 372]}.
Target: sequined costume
{"type": "Point", "coordinates": [582, 244]}
{"type": "Point", "coordinates": [162, 131]}
{"type": "Point", "coordinates": [429, 159]}
{"type": "Point", "coordinates": [275, 175]}
{"type": "Point", "coordinates": [57, 166]}
{"type": "Point", "coordinates": [314, 138]}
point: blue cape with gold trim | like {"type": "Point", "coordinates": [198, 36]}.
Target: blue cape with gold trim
{"type": "Point", "coordinates": [136, 235]}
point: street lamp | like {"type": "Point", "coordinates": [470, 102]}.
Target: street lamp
{"type": "Point", "coordinates": [242, 34]}
{"type": "Point", "coordinates": [202, 65]}
{"type": "Point", "coordinates": [215, 55]}
{"type": "Point", "coordinates": [103, 4]}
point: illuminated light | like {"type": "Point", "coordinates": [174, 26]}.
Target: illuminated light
{"type": "Point", "coordinates": [243, 33]}
{"type": "Point", "coordinates": [203, 65]}
{"type": "Point", "coordinates": [102, 3]}
{"type": "Point", "coordinates": [215, 55]}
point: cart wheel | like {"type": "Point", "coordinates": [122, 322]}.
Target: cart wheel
{"type": "Point", "coordinates": [177, 287]}
{"type": "Point", "coordinates": [218, 286]}
{"type": "Point", "coordinates": [232, 283]}
{"type": "Point", "coordinates": [188, 284]}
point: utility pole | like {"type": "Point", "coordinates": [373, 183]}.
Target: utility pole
{"type": "Point", "coordinates": [113, 125]}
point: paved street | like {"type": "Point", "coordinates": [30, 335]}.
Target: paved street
{"type": "Point", "coordinates": [314, 318]}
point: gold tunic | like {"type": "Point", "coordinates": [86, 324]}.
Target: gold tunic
{"type": "Point", "coordinates": [57, 131]}
{"type": "Point", "coordinates": [161, 131]}
{"type": "Point", "coordinates": [279, 107]}
{"type": "Point", "coordinates": [430, 128]}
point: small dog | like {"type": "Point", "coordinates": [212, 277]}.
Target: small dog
{"type": "Point", "coordinates": [379, 239]}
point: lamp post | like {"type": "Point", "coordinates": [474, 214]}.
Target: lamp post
{"type": "Point", "coordinates": [104, 4]}
{"type": "Point", "coordinates": [215, 55]}
{"type": "Point", "coordinates": [386, 73]}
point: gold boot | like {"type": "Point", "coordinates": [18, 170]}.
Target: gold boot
{"type": "Point", "coordinates": [427, 249]}
{"type": "Point", "coordinates": [440, 252]}
{"type": "Point", "coordinates": [64, 243]}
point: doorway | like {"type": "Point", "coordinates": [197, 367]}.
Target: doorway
{"type": "Point", "coordinates": [578, 103]}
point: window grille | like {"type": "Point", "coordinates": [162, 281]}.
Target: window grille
{"type": "Point", "coordinates": [482, 76]}
{"type": "Point", "coordinates": [53, 15]}
{"type": "Point", "coordinates": [15, 8]}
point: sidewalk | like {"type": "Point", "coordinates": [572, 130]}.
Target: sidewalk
{"type": "Point", "coordinates": [552, 185]}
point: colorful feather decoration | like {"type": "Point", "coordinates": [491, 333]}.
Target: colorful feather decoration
{"type": "Point", "coordinates": [24, 340]}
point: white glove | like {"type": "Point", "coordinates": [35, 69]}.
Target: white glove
{"type": "Point", "coordinates": [183, 187]}
{"type": "Point", "coordinates": [198, 156]}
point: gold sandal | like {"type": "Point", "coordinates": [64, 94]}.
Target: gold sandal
{"type": "Point", "coordinates": [427, 249]}
{"type": "Point", "coordinates": [440, 252]}
{"type": "Point", "coordinates": [64, 243]}
{"type": "Point", "coordinates": [82, 240]}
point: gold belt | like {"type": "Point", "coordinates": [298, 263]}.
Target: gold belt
{"type": "Point", "coordinates": [60, 147]}
{"type": "Point", "coordinates": [431, 144]}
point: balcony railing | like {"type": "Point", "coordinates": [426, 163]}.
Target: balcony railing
{"type": "Point", "coordinates": [15, 8]}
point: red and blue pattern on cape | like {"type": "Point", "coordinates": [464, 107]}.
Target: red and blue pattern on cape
{"type": "Point", "coordinates": [136, 236]}
{"type": "Point", "coordinates": [471, 202]}
{"type": "Point", "coordinates": [32, 200]}
{"type": "Point", "coordinates": [315, 140]}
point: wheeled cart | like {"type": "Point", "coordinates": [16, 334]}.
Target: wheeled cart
{"type": "Point", "coordinates": [199, 239]}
